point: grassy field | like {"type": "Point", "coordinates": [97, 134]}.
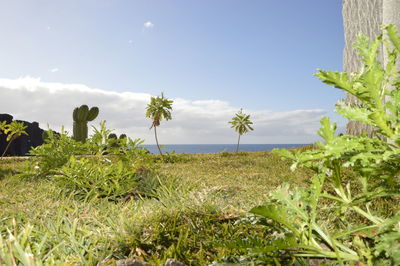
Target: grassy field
{"type": "Point", "coordinates": [199, 203]}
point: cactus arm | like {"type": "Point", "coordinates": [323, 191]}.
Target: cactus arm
{"type": "Point", "coordinates": [93, 112]}
{"type": "Point", "coordinates": [75, 114]}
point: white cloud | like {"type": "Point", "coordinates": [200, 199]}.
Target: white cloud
{"type": "Point", "coordinates": [54, 70]}
{"type": "Point", "coordinates": [193, 122]}
{"type": "Point", "coordinates": [148, 24]}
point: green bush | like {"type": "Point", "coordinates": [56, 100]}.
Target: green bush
{"type": "Point", "coordinates": [82, 169]}
{"type": "Point", "coordinates": [86, 178]}
{"type": "Point", "coordinates": [55, 152]}
{"type": "Point", "coordinates": [331, 219]}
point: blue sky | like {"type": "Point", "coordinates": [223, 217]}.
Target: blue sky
{"type": "Point", "coordinates": [259, 55]}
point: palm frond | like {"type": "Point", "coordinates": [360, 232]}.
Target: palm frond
{"type": "Point", "coordinates": [158, 109]}
{"type": "Point", "coordinates": [241, 122]}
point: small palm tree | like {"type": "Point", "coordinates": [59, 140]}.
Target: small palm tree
{"type": "Point", "coordinates": [157, 109]}
{"type": "Point", "coordinates": [13, 130]}
{"type": "Point", "coordinates": [242, 124]}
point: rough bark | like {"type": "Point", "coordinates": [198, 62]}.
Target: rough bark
{"type": "Point", "coordinates": [367, 17]}
{"type": "Point", "coordinates": [359, 16]}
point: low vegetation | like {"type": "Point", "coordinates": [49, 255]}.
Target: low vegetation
{"type": "Point", "coordinates": [48, 220]}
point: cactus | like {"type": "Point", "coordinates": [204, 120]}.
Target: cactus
{"type": "Point", "coordinates": [112, 136]}
{"type": "Point", "coordinates": [81, 116]}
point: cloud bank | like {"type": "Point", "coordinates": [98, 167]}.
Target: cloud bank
{"type": "Point", "coordinates": [194, 122]}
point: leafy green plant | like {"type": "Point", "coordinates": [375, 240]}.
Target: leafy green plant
{"type": "Point", "coordinates": [58, 150]}
{"type": "Point", "coordinates": [55, 152]}
{"type": "Point", "coordinates": [117, 145]}
{"type": "Point", "coordinates": [127, 170]}
{"type": "Point", "coordinates": [333, 219]}
{"type": "Point", "coordinates": [159, 108]}
{"type": "Point", "coordinates": [99, 142]}
{"type": "Point", "coordinates": [3, 126]}
{"type": "Point", "coordinates": [87, 178]}
{"type": "Point", "coordinates": [13, 131]}
{"type": "Point", "coordinates": [242, 124]}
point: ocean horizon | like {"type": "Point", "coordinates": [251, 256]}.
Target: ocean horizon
{"type": "Point", "coordinates": [216, 148]}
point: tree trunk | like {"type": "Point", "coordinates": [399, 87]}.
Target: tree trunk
{"type": "Point", "coordinates": [8, 145]}
{"type": "Point", "coordinates": [367, 17]}
{"type": "Point", "coordinates": [155, 134]}
{"type": "Point", "coordinates": [359, 16]}
{"type": "Point", "coordinates": [237, 147]}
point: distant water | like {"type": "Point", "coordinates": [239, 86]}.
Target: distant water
{"type": "Point", "coordinates": [215, 148]}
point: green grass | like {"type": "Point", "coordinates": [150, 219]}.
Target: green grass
{"type": "Point", "coordinates": [201, 198]}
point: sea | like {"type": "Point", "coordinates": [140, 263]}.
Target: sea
{"type": "Point", "coordinates": [216, 148]}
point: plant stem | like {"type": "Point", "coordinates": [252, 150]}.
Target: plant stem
{"type": "Point", "coordinates": [155, 134]}
{"type": "Point", "coordinates": [375, 220]}
{"type": "Point", "coordinates": [237, 147]}
{"type": "Point", "coordinates": [8, 145]}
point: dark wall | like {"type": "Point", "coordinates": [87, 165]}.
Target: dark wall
{"type": "Point", "coordinates": [23, 144]}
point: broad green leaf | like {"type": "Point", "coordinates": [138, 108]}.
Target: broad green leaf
{"type": "Point", "coordinates": [391, 31]}
{"type": "Point", "coordinates": [353, 113]}
{"type": "Point", "coordinates": [276, 212]}
{"type": "Point", "coordinates": [327, 130]}
{"type": "Point", "coordinates": [284, 153]}
{"type": "Point", "coordinates": [339, 80]}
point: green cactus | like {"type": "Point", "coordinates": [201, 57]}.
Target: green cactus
{"type": "Point", "coordinates": [81, 116]}
{"type": "Point", "coordinates": [112, 136]}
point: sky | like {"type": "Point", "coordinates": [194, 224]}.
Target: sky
{"type": "Point", "coordinates": [211, 57]}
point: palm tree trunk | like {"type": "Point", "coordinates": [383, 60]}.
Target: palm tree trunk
{"type": "Point", "coordinates": [8, 145]}
{"type": "Point", "coordinates": [237, 147]}
{"type": "Point", "coordinates": [155, 134]}
{"type": "Point", "coordinates": [359, 16]}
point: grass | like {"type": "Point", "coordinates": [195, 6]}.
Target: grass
{"type": "Point", "coordinates": [201, 198]}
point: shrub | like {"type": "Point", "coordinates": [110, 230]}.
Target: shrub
{"type": "Point", "coordinates": [87, 178]}
{"type": "Point", "coordinates": [55, 152]}
{"type": "Point", "coordinates": [81, 169]}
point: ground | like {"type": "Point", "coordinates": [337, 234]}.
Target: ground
{"type": "Point", "coordinates": [201, 198]}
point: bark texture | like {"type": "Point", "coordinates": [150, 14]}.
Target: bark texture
{"type": "Point", "coordinates": [367, 17]}
{"type": "Point", "coordinates": [359, 16]}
